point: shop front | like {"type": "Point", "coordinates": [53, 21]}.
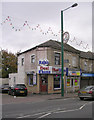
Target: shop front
{"type": "Point", "coordinates": [49, 79]}
{"type": "Point", "coordinates": [72, 80]}
{"type": "Point", "coordinates": [87, 79]}
{"type": "Point", "coordinates": [43, 73]}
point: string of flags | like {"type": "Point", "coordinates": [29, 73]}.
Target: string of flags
{"type": "Point", "coordinates": [81, 43]}
{"type": "Point", "coordinates": [38, 27]}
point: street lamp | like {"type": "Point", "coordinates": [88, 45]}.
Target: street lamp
{"type": "Point", "coordinates": [62, 71]}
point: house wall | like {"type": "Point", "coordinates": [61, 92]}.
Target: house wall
{"type": "Point", "coordinates": [13, 79]}
{"type": "Point", "coordinates": [89, 62]}
{"type": "Point", "coordinates": [43, 53]}
{"type": "Point", "coordinates": [21, 69]}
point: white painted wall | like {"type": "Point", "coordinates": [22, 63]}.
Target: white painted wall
{"type": "Point", "coordinates": [21, 69]}
{"type": "Point", "coordinates": [13, 78]}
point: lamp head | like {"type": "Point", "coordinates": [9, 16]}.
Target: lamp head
{"type": "Point", "coordinates": [74, 5]}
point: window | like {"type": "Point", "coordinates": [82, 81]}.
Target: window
{"type": "Point", "coordinates": [90, 67]}
{"type": "Point", "coordinates": [32, 58]}
{"type": "Point", "coordinates": [74, 61]}
{"type": "Point", "coordinates": [57, 58]}
{"type": "Point", "coordinates": [57, 81]}
{"type": "Point", "coordinates": [22, 61]}
{"type": "Point", "coordinates": [30, 79]}
{"type": "Point", "coordinates": [66, 61]}
{"type": "Point", "coordinates": [85, 66]}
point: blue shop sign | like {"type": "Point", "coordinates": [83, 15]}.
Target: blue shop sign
{"type": "Point", "coordinates": [87, 75]}
{"type": "Point", "coordinates": [43, 62]}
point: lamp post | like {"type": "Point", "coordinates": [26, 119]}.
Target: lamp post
{"type": "Point", "coordinates": [62, 66]}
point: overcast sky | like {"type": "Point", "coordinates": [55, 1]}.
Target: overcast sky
{"type": "Point", "coordinates": [27, 24]}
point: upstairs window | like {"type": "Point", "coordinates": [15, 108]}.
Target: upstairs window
{"type": "Point", "coordinates": [85, 66]}
{"type": "Point", "coordinates": [57, 58]}
{"type": "Point", "coordinates": [32, 58]}
{"type": "Point", "coordinates": [74, 61]}
{"type": "Point", "coordinates": [22, 61]}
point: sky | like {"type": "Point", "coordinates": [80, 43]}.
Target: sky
{"type": "Point", "coordinates": [27, 24]}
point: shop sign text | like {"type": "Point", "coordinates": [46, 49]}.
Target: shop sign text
{"type": "Point", "coordinates": [44, 69]}
{"type": "Point", "coordinates": [43, 62]}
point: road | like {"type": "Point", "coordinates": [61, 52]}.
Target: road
{"type": "Point", "coordinates": [55, 108]}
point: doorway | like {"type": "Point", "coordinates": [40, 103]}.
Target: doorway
{"type": "Point", "coordinates": [43, 83]}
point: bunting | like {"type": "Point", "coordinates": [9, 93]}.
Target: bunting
{"type": "Point", "coordinates": [39, 28]}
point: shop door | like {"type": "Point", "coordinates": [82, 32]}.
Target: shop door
{"type": "Point", "coordinates": [43, 84]}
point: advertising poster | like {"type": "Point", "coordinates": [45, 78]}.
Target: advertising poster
{"type": "Point", "coordinates": [68, 81]}
{"type": "Point", "coordinates": [76, 82]}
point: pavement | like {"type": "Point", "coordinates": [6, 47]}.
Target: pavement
{"type": "Point", "coordinates": [33, 98]}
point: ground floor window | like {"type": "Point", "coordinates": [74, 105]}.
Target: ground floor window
{"type": "Point", "coordinates": [76, 81]}
{"type": "Point", "coordinates": [72, 81]}
{"type": "Point", "coordinates": [57, 82]}
{"type": "Point", "coordinates": [30, 79]}
{"type": "Point", "coordinates": [68, 81]}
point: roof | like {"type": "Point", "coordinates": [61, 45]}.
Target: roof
{"type": "Point", "coordinates": [87, 55]}
{"type": "Point", "coordinates": [57, 45]}
{"type": "Point", "coordinates": [53, 44]}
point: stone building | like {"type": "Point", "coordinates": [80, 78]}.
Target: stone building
{"type": "Point", "coordinates": [40, 68]}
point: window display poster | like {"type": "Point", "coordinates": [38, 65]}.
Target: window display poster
{"type": "Point", "coordinates": [68, 81]}
{"type": "Point", "coordinates": [76, 82]}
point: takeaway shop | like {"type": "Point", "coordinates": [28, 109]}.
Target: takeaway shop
{"type": "Point", "coordinates": [50, 79]}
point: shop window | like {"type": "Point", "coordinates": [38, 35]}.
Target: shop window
{"type": "Point", "coordinates": [57, 82]}
{"type": "Point", "coordinates": [30, 79]}
{"type": "Point", "coordinates": [22, 61]}
{"type": "Point", "coordinates": [68, 82]}
{"type": "Point", "coordinates": [57, 58]}
{"type": "Point", "coordinates": [32, 58]}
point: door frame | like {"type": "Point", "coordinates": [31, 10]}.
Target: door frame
{"type": "Point", "coordinates": [40, 79]}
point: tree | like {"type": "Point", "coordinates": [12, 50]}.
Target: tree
{"type": "Point", "coordinates": [8, 62]}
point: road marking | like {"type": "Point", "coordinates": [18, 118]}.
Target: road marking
{"type": "Point", "coordinates": [54, 111]}
{"type": "Point", "coordinates": [84, 105]}
{"type": "Point", "coordinates": [74, 109]}
{"type": "Point", "coordinates": [66, 111]}
{"type": "Point", "coordinates": [44, 115]}
{"type": "Point", "coordinates": [24, 116]}
{"type": "Point", "coordinates": [30, 115]}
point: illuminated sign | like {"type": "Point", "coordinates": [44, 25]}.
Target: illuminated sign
{"type": "Point", "coordinates": [88, 74]}
{"type": "Point", "coordinates": [74, 73]}
{"type": "Point", "coordinates": [56, 70]}
{"type": "Point", "coordinates": [44, 69]}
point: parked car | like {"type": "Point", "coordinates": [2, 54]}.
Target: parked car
{"type": "Point", "coordinates": [18, 89]}
{"type": "Point", "coordinates": [4, 88]}
{"type": "Point", "coordinates": [86, 92]}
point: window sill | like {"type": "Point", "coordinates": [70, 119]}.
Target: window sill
{"type": "Point", "coordinates": [57, 89]}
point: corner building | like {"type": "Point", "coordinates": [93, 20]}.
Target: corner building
{"type": "Point", "coordinates": [40, 68]}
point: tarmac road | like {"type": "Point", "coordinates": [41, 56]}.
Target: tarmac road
{"type": "Point", "coordinates": [48, 108]}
